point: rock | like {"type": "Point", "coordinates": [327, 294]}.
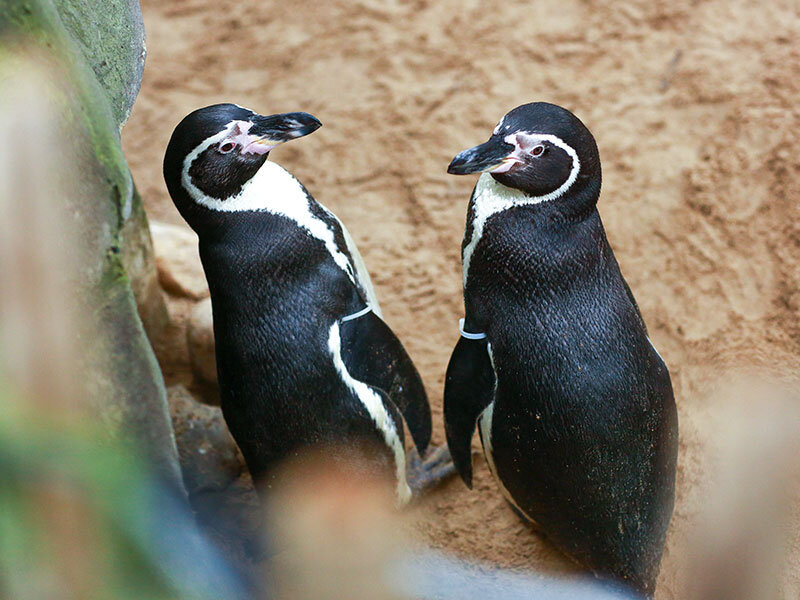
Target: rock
{"type": "Point", "coordinates": [210, 459]}
{"type": "Point", "coordinates": [178, 261]}
{"type": "Point", "coordinates": [122, 379]}
{"type": "Point", "coordinates": [200, 340]}
{"type": "Point", "coordinates": [219, 486]}
{"type": "Point", "coordinates": [110, 34]}
{"type": "Point", "coordinates": [138, 259]}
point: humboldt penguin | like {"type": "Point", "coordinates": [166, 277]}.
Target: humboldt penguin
{"type": "Point", "coordinates": [573, 403]}
{"type": "Point", "coordinates": [303, 355]}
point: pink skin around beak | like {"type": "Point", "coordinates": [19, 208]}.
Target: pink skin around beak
{"type": "Point", "coordinates": [251, 144]}
{"type": "Point", "coordinates": [520, 150]}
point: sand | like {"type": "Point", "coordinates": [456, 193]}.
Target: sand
{"type": "Point", "coordinates": [694, 105]}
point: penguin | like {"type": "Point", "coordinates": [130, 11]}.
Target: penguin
{"type": "Point", "coordinates": [303, 355]}
{"type": "Point", "coordinates": [573, 404]}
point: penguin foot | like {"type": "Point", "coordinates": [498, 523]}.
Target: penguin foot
{"type": "Point", "coordinates": [425, 473]}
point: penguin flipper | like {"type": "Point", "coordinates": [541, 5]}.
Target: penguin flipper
{"type": "Point", "coordinates": [468, 390]}
{"type": "Point", "coordinates": [361, 271]}
{"type": "Point", "coordinates": [374, 355]}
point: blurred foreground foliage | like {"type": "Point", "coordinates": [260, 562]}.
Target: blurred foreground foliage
{"type": "Point", "coordinates": [84, 518]}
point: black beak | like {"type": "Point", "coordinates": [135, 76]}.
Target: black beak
{"type": "Point", "coordinates": [485, 157]}
{"type": "Point", "coordinates": [276, 129]}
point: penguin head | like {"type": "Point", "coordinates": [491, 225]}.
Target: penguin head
{"type": "Point", "coordinates": [540, 149]}
{"type": "Point", "coordinates": [215, 151]}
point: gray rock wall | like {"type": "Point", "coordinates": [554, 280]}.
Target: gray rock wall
{"type": "Point", "coordinates": [110, 35]}
{"type": "Point", "coordinates": [96, 52]}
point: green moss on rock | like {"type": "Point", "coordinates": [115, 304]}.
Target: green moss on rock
{"type": "Point", "coordinates": [111, 37]}
{"type": "Point", "coordinates": [94, 45]}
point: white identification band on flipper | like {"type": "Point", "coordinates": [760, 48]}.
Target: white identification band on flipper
{"type": "Point", "coordinates": [467, 335]}
{"type": "Point", "coordinates": [355, 315]}
{"type": "Point", "coordinates": [373, 402]}
{"type": "Point", "coordinates": [491, 197]}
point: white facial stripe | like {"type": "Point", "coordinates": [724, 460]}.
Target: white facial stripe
{"type": "Point", "coordinates": [374, 405]}
{"type": "Point", "coordinates": [186, 179]}
{"type": "Point", "coordinates": [241, 127]}
{"type": "Point", "coordinates": [236, 132]}
{"type": "Point", "coordinates": [491, 197]}
{"type": "Point", "coordinates": [500, 126]}
{"type": "Point", "coordinates": [273, 189]}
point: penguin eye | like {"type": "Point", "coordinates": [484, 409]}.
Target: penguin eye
{"type": "Point", "coordinates": [537, 150]}
{"type": "Point", "coordinates": [227, 147]}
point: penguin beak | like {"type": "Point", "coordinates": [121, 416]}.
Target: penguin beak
{"type": "Point", "coordinates": [487, 157]}
{"type": "Point", "coordinates": [273, 130]}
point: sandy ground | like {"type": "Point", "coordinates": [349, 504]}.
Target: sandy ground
{"type": "Point", "coordinates": [694, 105]}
